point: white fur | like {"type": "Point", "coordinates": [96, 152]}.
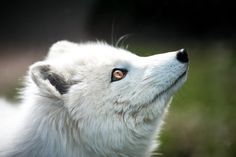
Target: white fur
{"type": "Point", "coordinates": [95, 117]}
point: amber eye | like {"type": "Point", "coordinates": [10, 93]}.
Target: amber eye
{"type": "Point", "coordinates": [118, 74]}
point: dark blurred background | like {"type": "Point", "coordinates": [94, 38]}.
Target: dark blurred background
{"type": "Point", "coordinates": [201, 122]}
{"type": "Point", "coordinates": [45, 22]}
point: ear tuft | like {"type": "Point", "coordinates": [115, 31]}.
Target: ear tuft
{"type": "Point", "coordinates": [61, 47]}
{"type": "Point", "coordinates": [48, 79]}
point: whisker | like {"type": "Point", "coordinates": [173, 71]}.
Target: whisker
{"type": "Point", "coordinates": [120, 42]}
{"type": "Point", "coordinates": [112, 32]}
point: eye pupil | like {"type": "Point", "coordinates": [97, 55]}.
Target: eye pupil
{"type": "Point", "coordinates": [118, 74]}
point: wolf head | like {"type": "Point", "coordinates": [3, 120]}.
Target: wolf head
{"type": "Point", "coordinates": [117, 98]}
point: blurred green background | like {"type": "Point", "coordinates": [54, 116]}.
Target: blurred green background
{"type": "Point", "coordinates": [201, 120]}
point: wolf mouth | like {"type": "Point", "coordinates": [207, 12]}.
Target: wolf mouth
{"type": "Point", "coordinates": [174, 83]}
{"type": "Point", "coordinates": [171, 86]}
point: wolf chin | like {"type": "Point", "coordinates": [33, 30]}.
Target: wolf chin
{"type": "Point", "coordinates": [93, 100]}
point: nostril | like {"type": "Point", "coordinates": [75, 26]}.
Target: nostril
{"type": "Point", "coordinates": [182, 56]}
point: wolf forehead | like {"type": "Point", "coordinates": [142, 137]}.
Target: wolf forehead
{"type": "Point", "coordinates": [98, 52]}
{"type": "Point", "coordinates": [90, 58]}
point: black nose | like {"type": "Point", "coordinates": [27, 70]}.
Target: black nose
{"type": "Point", "coordinates": [182, 56]}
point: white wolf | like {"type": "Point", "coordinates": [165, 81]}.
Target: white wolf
{"type": "Point", "coordinates": [93, 100]}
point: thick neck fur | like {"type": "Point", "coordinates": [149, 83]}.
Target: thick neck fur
{"type": "Point", "coordinates": [50, 132]}
{"type": "Point", "coordinates": [43, 132]}
{"type": "Point", "coordinates": [55, 134]}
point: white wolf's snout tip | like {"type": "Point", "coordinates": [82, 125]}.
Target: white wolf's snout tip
{"type": "Point", "coordinates": [182, 56]}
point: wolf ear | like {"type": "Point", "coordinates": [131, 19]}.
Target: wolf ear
{"type": "Point", "coordinates": [61, 47]}
{"type": "Point", "coordinates": [48, 79]}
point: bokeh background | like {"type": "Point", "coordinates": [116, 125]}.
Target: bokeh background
{"type": "Point", "coordinates": [201, 121]}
